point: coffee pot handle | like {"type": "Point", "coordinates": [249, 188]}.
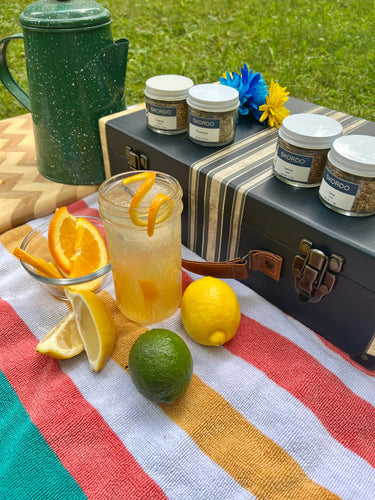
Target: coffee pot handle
{"type": "Point", "coordinates": [6, 77]}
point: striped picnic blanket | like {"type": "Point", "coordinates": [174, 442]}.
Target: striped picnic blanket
{"type": "Point", "coordinates": [276, 413]}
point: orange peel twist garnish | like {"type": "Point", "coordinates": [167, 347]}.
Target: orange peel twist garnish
{"type": "Point", "coordinates": [44, 268]}
{"type": "Point", "coordinates": [159, 200]}
{"type": "Point", "coordinates": [156, 203]}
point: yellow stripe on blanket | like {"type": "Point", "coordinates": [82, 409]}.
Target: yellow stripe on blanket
{"type": "Point", "coordinates": [255, 461]}
{"type": "Point", "coordinates": [251, 458]}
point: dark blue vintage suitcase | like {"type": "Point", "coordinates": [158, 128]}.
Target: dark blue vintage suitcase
{"type": "Point", "coordinates": [233, 203]}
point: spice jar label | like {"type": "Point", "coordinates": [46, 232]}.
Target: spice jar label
{"type": "Point", "coordinates": [204, 129]}
{"type": "Point", "coordinates": [162, 117]}
{"type": "Point", "coordinates": [292, 165]}
{"type": "Point", "coordinates": [338, 192]}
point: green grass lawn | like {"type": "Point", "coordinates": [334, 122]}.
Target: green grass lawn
{"type": "Point", "coordinates": [323, 51]}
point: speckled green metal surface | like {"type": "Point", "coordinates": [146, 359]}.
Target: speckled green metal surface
{"type": "Point", "coordinates": [76, 75]}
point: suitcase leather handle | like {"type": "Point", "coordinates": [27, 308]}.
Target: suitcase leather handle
{"type": "Point", "coordinates": [255, 260]}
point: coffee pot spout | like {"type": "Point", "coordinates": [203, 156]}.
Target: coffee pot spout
{"type": "Point", "coordinates": [112, 61]}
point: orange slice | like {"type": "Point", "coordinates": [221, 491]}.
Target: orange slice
{"type": "Point", "coordinates": [156, 203]}
{"type": "Point", "coordinates": [90, 253]}
{"type": "Point", "coordinates": [149, 290]}
{"type": "Point", "coordinates": [76, 245]}
{"type": "Point", "coordinates": [43, 267]}
{"type": "Point", "coordinates": [62, 238]}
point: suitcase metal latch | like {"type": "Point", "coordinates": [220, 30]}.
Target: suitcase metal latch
{"type": "Point", "coordinates": [315, 273]}
{"type": "Point", "coordinates": [136, 161]}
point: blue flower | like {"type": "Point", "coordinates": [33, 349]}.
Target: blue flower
{"type": "Point", "coordinates": [231, 80]}
{"type": "Point", "coordinates": [251, 87]}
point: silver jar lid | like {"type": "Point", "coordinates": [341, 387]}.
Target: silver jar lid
{"type": "Point", "coordinates": [168, 87]}
{"type": "Point", "coordinates": [213, 97]}
{"type": "Point", "coordinates": [354, 154]}
{"type": "Point", "coordinates": [310, 131]}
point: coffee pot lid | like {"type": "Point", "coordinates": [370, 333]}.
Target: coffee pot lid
{"type": "Point", "coordinates": [59, 14]}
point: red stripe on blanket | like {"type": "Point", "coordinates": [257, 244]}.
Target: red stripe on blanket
{"type": "Point", "coordinates": [89, 450]}
{"type": "Point", "coordinates": [346, 356]}
{"type": "Point", "coordinates": [79, 207]}
{"type": "Point", "coordinates": [346, 416]}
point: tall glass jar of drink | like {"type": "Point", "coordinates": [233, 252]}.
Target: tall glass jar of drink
{"type": "Point", "coordinates": [144, 242]}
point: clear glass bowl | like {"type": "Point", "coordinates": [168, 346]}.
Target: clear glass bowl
{"type": "Point", "coordinates": [36, 243]}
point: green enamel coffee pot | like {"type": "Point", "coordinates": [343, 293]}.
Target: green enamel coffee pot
{"type": "Point", "coordinates": [76, 75]}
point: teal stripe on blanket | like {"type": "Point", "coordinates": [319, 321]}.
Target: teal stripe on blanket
{"type": "Point", "coordinates": [29, 468]}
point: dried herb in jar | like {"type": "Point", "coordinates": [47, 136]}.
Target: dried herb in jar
{"type": "Point", "coordinates": [212, 114]}
{"type": "Point", "coordinates": [348, 185]}
{"type": "Point", "coordinates": [226, 122]}
{"type": "Point", "coordinates": [364, 202]}
{"type": "Point", "coordinates": [303, 144]}
{"type": "Point", "coordinates": [166, 108]}
{"type": "Point", "coordinates": [153, 106]}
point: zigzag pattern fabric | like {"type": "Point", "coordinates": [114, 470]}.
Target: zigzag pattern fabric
{"type": "Point", "coordinates": [24, 193]}
{"type": "Point", "coordinates": [276, 413]}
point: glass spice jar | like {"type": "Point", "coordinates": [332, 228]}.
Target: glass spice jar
{"type": "Point", "coordinates": [212, 114]}
{"type": "Point", "coordinates": [166, 108]}
{"type": "Point", "coordinates": [348, 185]}
{"type": "Point", "coordinates": [303, 143]}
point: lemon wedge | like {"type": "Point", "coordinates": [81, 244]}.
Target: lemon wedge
{"type": "Point", "coordinates": [63, 341]}
{"type": "Point", "coordinates": [95, 325]}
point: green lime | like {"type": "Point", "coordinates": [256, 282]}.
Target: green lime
{"type": "Point", "coordinates": [160, 365]}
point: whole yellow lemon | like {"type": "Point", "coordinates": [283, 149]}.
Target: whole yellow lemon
{"type": "Point", "coordinates": [210, 311]}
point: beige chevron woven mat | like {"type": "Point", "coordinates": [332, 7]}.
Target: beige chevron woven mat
{"type": "Point", "coordinates": [24, 193]}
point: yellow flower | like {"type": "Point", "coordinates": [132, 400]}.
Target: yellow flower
{"type": "Point", "coordinates": [274, 109]}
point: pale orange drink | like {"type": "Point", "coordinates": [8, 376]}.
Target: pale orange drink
{"type": "Point", "coordinates": [142, 219]}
